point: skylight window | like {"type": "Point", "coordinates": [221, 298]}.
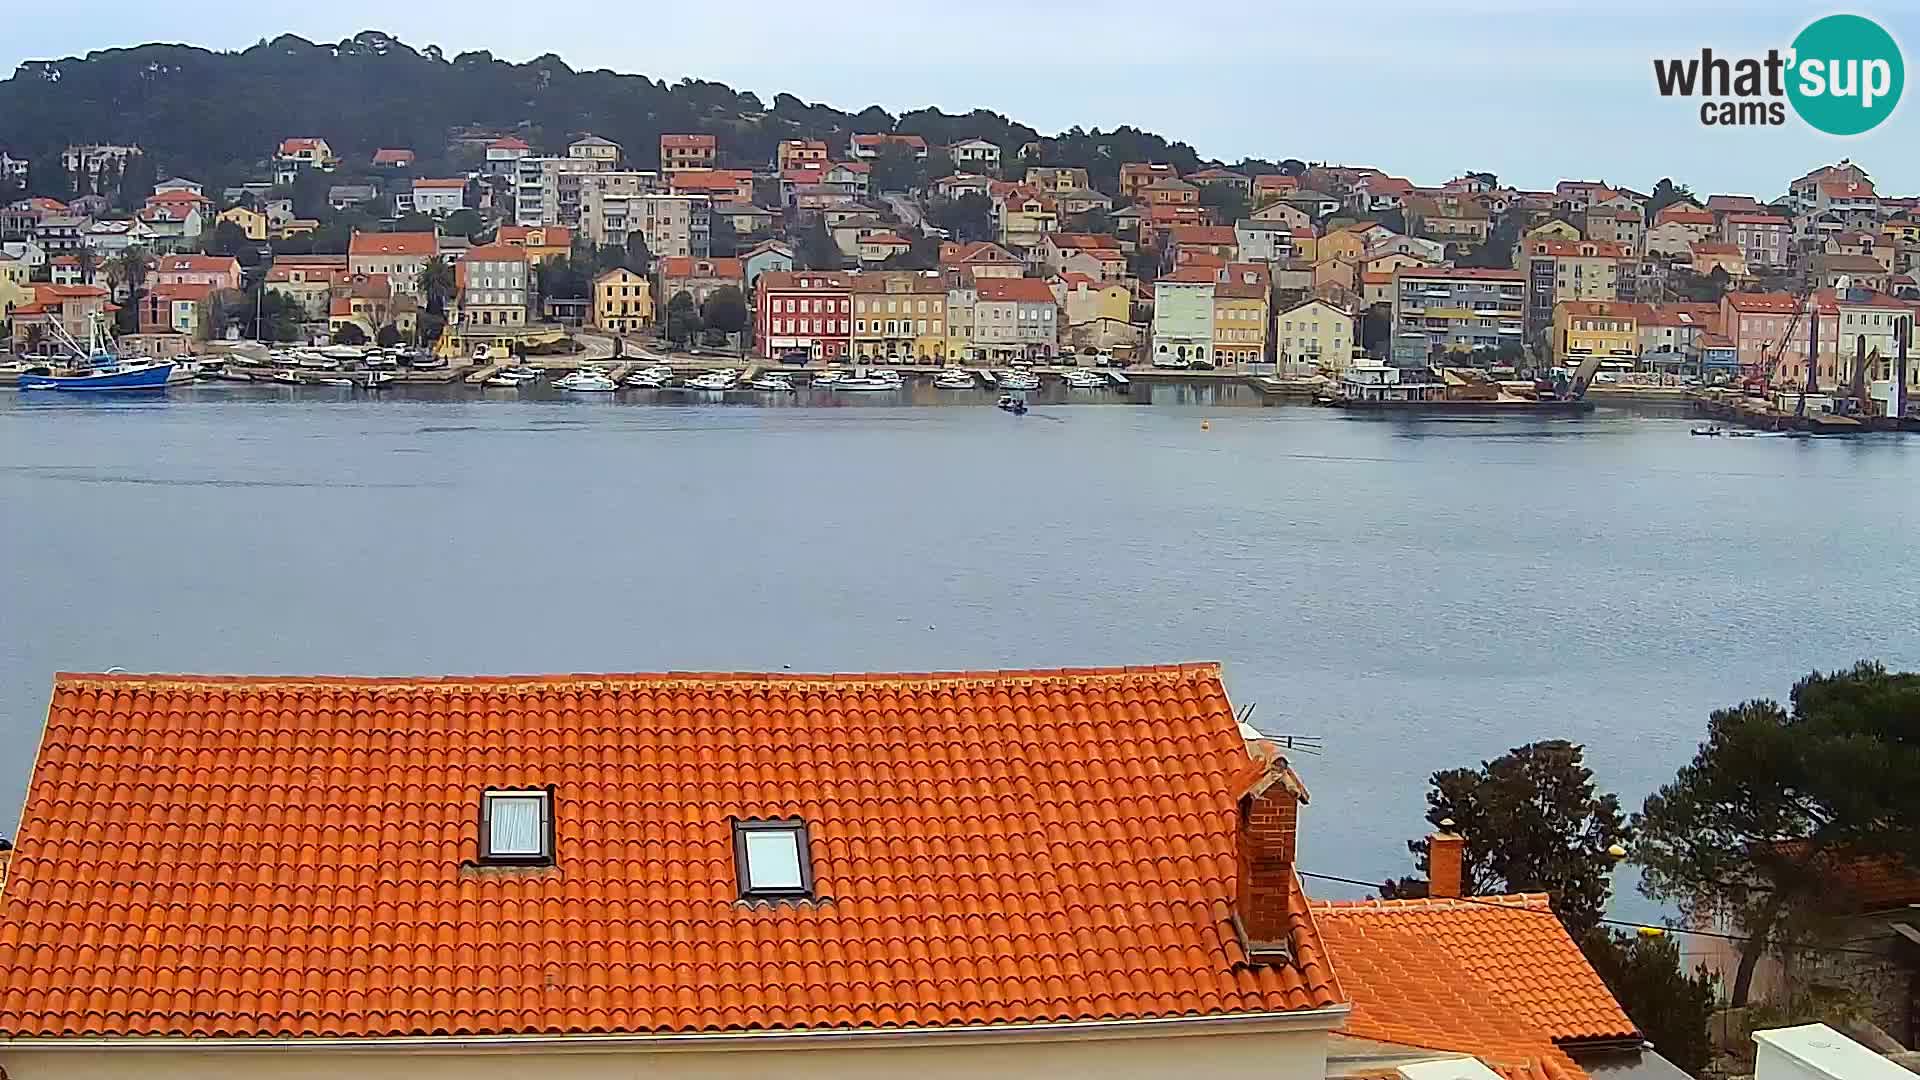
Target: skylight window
{"type": "Point", "coordinates": [772, 859]}
{"type": "Point", "coordinates": [516, 827]}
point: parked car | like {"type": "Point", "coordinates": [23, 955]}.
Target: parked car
{"type": "Point", "coordinates": [1169, 360]}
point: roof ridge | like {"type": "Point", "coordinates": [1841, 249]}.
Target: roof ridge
{"type": "Point", "coordinates": [1133, 673]}
{"type": "Point", "coordinates": [1510, 901]}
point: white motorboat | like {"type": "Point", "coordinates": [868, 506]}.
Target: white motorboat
{"type": "Point", "coordinates": [521, 373]}
{"type": "Point", "coordinates": [955, 379]}
{"type": "Point", "coordinates": [655, 378]}
{"type": "Point", "coordinates": [828, 377]}
{"type": "Point", "coordinates": [773, 382]}
{"type": "Point", "coordinates": [503, 383]}
{"type": "Point", "coordinates": [335, 382]}
{"type": "Point", "coordinates": [1018, 380]}
{"type": "Point", "coordinates": [287, 375]}
{"type": "Point", "coordinates": [879, 381]}
{"type": "Point", "coordinates": [1077, 379]}
{"type": "Point", "coordinates": [713, 380]}
{"type": "Point", "coordinates": [585, 381]}
{"type": "Point", "coordinates": [316, 361]}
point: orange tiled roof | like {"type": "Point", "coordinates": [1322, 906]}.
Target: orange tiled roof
{"type": "Point", "coordinates": [1495, 977]}
{"type": "Point", "coordinates": [687, 142]}
{"type": "Point", "coordinates": [683, 266]}
{"type": "Point", "coordinates": [556, 235]}
{"type": "Point", "coordinates": [222, 856]}
{"type": "Point", "coordinates": [396, 243]}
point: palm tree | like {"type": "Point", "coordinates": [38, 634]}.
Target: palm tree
{"type": "Point", "coordinates": [435, 283]}
{"type": "Point", "coordinates": [129, 268]}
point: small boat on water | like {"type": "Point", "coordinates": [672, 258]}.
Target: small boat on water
{"type": "Point", "coordinates": [501, 382]}
{"type": "Point", "coordinates": [829, 377]}
{"type": "Point", "coordinates": [1017, 380]}
{"type": "Point", "coordinates": [714, 380]}
{"type": "Point", "coordinates": [1013, 403]}
{"type": "Point", "coordinates": [1079, 379]}
{"type": "Point", "coordinates": [879, 381]}
{"type": "Point", "coordinates": [586, 381]}
{"type": "Point", "coordinates": [653, 378]}
{"type": "Point", "coordinates": [954, 379]}
{"type": "Point", "coordinates": [1708, 431]}
{"type": "Point", "coordinates": [1741, 433]}
{"type": "Point", "coordinates": [288, 376]}
{"type": "Point", "coordinates": [335, 382]}
{"type": "Point", "coordinates": [772, 382]}
{"type": "Point", "coordinates": [95, 366]}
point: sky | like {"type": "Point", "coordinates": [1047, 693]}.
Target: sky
{"type": "Point", "coordinates": [1533, 91]}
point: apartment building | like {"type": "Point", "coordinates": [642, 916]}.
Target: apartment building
{"type": "Point", "coordinates": [900, 316]}
{"type": "Point", "coordinates": [680, 152]}
{"type": "Point", "coordinates": [400, 256]}
{"type": "Point", "coordinates": [1455, 309]}
{"type": "Point", "coordinates": [615, 206]}
{"type": "Point", "coordinates": [1764, 238]}
{"type": "Point", "coordinates": [493, 285]}
{"type": "Point", "coordinates": [800, 154]}
{"type": "Point", "coordinates": [1241, 298]}
{"type": "Point", "coordinates": [1183, 316]}
{"type": "Point", "coordinates": [547, 191]}
{"type": "Point", "coordinates": [1558, 270]}
{"type": "Point", "coordinates": [1604, 328]}
{"type": "Point", "coordinates": [603, 152]}
{"type": "Point", "coordinates": [1016, 318]}
{"type": "Point", "coordinates": [1313, 335]}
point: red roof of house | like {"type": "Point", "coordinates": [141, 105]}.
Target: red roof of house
{"type": "Point", "coordinates": [1024, 290]}
{"type": "Point", "coordinates": [711, 179]}
{"type": "Point", "coordinates": [197, 264]}
{"type": "Point", "coordinates": [684, 266]}
{"type": "Point", "coordinates": [1682, 214]}
{"type": "Point", "coordinates": [294, 146]}
{"type": "Point", "coordinates": [876, 141]}
{"type": "Point", "coordinates": [977, 251]}
{"type": "Point", "coordinates": [66, 260]}
{"type": "Point", "coordinates": [451, 184]}
{"type": "Point", "coordinates": [890, 239]}
{"type": "Point", "coordinates": [177, 195]}
{"type": "Point", "coordinates": [687, 142]}
{"type": "Point", "coordinates": [508, 143]}
{"type": "Point", "coordinates": [267, 857]}
{"type": "Point", "coordinates": [394, 243]}
{"type": "Point", "coordinates": [1769, 303]}
{"type": "Point", "coordinates": [183, 291]}
{"type": "Point", "coordinates": [392, 157]}
{"type": "Point", "coordinates": [498, 251]}
{"type": "Point", "coordinates": [1759, 219]}
{"type": "Point", "coordinates": [1847, 189]}
{"type": "Point", "coordinates": [1494, 976]}
{"type": "Point", "coordinates": [1192, 275]}
{"type": "Point", "coordinates": [1091, 243]}
{"type": "Point", "coordinates": [1702, 247]}
{"type": "Point", "coordinates": [557, 235]}
{"type": "Point", "coordinates": [1275, 182]}
{"type": "Point", "coordinates": [340, 305]}
{"type": "Point", "coordinates": [1218, 235]}
{"type": "Point", "coordinates": [1459, 273]}
{"type": "Point", "coordinates": [1602, 249]}
{"type": "Point", "coordinates": [1203, 258]}
{"type": "Point", "coordinates": [47, 205]}
{"type": "Point", "coordinates": [815, 281]}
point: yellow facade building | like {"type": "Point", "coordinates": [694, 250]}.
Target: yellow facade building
{"type": "Point", "coordinates": [1583, 328]}
{"type": "Point", "coordinates": [1240, 317]}
{"type": "Point", "coordinates": [622, 301]}
{"type": "Point", "coordinates": [899, 316]}
{"type": "Point", "coordinates": [251, 222]}
{"type": "Point", "coordinates": [1315, 333]}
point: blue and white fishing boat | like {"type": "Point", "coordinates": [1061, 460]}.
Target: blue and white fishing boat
{"type": "Point", "coordinates": [96, 366]}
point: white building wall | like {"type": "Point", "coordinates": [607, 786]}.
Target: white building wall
{"type": "Point", "coordinates": [1276, 1055]}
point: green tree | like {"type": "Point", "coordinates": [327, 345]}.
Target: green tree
{"type": "Point", "coordinates": [565, 278]}
{"type": "Point", "coordinates": [721, 239]}
{"type": "Point", "coordinates": [1665, 194]}
{"type": "Point", "coordinates": [724, 311]}
{"type": "Point", "coordinates": [435, 283]}
{"type": "Point", "coordinates": [639, 259]}
{"type": "Point", "coordinates": [896, 169]}
{"type": "Point", "coordinates": [465, 222]}
{"type": "Point", "coordinates": [815, 249]}
{"type": "Point", "coordinates": [1097, 221]}
{"type": "Point", "coordinates": [1670, 1007]}
{"type": "Point", "coordinates": [48, 176]}
{"type": "Point", "coordinates": [136, 182]}
{"type": "Point", "coordinates": [1534, 822]}
{"type": "Point", "coordinates": [683, 320]}
{"type": "Point", "coordinates": [1751, 827]}
{"type": "Point", "coordinates": [1224, 201]}
{"type": "Point", "coordinates": [271, 316]}
{"type": "Point", "coordinates": [349, 334]}
{"type": "Point", "coordinates": [969, 217]}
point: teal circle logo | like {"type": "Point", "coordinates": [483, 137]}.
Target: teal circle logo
{"type": "Point", "coordinates": [1847, 74]}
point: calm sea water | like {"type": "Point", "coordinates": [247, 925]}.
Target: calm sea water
{"type": "Point", "coordinates": [1418, 594]}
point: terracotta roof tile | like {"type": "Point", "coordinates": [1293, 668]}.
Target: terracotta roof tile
{"type": "Point", "coordinates": [988, 846]}
{"type": "Point", "coordinates": [397, 243]}
{"type": "Point", "coordinates": [1496, 977]}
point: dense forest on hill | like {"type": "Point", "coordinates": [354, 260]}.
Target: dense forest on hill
{"type": "Point", "coordinates": [217, 116]}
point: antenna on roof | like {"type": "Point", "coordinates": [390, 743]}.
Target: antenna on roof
{"type": "Point", "coordinates": [1304, 744]}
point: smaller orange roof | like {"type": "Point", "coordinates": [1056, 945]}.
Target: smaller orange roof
{"type": "Point", "coordinates": [294, 146]}
{"type": "Point", "coordinates": [508, 143]}
{"type": "Point", "coordinates": [1768, 303]}
{"type": "Point", "coordinates": [497, 252]}
{"type": "Point", "coordinates": [686, 266]}
{"type": "Point", "coordinates": [1706, 248]}
{"type": "Point", "coordinates": [687, 142]}
{"type": "Point", "coordinates": [888, 239]}
{"type": "Point", "coordinates": [444, 185]}
{"type": "Point", "coordinates": [1216, 235]}
{"type": "Point", "coordinates": [554, 235]}
{"type": "Point", "coordinates": [1022, 290]}
{"type": "Point", "coordinates": [1190, 275]}
{"type": "Point", "coordinates": [387, 156]}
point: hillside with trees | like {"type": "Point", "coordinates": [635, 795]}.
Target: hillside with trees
{"type": "Point", "coordinates": [217, 116]}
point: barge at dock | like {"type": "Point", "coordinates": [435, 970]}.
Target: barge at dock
{"type": "Point", "coordinates": [1379, 387]}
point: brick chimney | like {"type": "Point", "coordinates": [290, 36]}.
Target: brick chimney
{"type": "Point", "coordinates": [1445, 851]}
{"type": "Point", "coordinates": [1269, 820]}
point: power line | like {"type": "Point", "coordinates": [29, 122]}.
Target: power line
{"type": "Point", "coordinates": [1641, 927]}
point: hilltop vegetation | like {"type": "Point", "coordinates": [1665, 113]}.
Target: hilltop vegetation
{"type": "Point", "coordinates": [217, 116]}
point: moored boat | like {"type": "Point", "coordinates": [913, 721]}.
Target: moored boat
{"type": "Point", "coordinates": [955, 379]}
{"type": "Point", "coordinates": [586, 381]}
{"type": "Point", "coordinates": [96, 367]}
{"type": "Point", "coordinates": [723, 379]}
{"type": "Point", "coordinates": [772, 382]}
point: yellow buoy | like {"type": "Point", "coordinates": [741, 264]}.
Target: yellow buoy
{"type": "Point", "coordinates": [1206, 425]}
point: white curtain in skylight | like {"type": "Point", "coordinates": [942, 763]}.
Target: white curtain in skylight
{"type": "Point", "coordinates": [516, 826]}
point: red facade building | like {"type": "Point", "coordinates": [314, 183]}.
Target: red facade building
{"type": "Point", "coordinates": [806, 311]}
